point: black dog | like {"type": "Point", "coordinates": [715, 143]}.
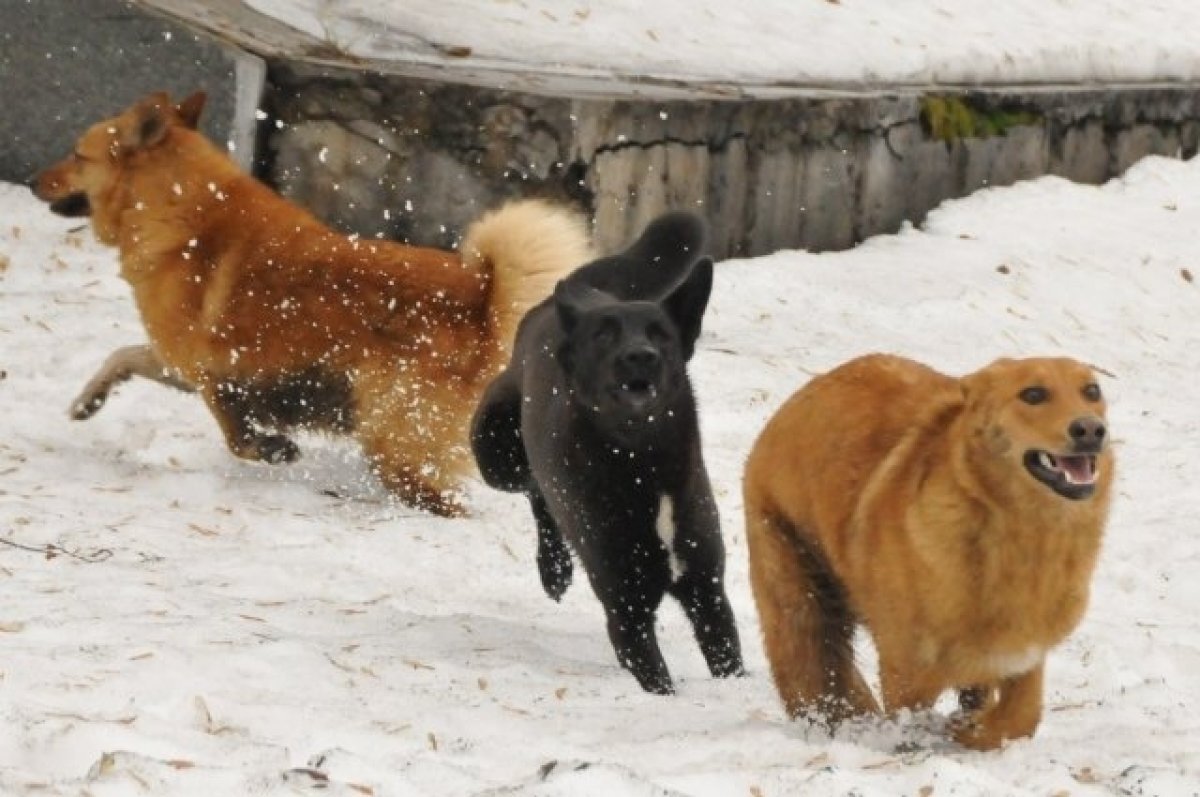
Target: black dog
{"type": "Point", "coordinates": [594, 420]}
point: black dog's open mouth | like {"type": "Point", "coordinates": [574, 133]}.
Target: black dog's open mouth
{"type": "Point", "coordinates": [72, 206]}
{"type": "Point", "coordinates": [636, 394]}
{"type": "Point", "coordinates": [1070, 475]}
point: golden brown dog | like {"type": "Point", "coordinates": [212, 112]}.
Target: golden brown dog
{"type": "Point", "coordinates": [280, 323]}
{"type": "Point", "coordinates": [958, 520]}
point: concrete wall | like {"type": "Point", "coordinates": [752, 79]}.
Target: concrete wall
{"type": "Point", "coordinates": [417, 159]}
{"type": "Point", "coordinates": [378, 150]}
{"type": "Point", "coordinates": [65, 64]}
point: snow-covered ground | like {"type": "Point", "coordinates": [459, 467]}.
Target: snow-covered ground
{"type": "Point", "coordinates": [236, 628]}
{"type": "Point", "coordinates": [807, 42]}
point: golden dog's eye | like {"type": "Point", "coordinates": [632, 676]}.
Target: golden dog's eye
{"type": "Point", "coordinates": [1092, 392]}
{"type": "Point", "coordinates": [1034, 395]}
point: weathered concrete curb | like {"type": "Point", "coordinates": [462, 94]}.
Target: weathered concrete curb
{"type": "Point", "coordinates": [415, 159]}
{"type": "Point", "coordinates": [415, 152]}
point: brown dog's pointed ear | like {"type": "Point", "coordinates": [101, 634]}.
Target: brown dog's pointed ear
{"type": "Point", "coordinates": [190, 109]}
{"type": "Point", "coordinates": [149, 123]}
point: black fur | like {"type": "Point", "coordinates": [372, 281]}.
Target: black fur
{"type": "Point", "coordinates": [594, 420]}
{"type": "Point", "coordinates": [314, 399]}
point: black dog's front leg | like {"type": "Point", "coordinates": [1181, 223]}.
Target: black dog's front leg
{"type": "Point", "coordinates": [707, 607]}
{"type": "Point", "coordinates": [631, 631]}
{"type": "Point", "coordinates": [553, 557]}
{"type": "Point", "coordinates": [496, 438]}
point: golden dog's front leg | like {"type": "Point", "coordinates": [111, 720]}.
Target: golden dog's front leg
{"type": "Point", "coordinates": [231, 405]}
{"type": "Point", "coordinates": [908, 685]}
{"type": "Point", "coordinates": [121, 366]}
{"type": "Point", "coordinates": [1014, 713]}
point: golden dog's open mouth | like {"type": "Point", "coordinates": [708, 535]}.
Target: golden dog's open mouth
{"type": "Point", "coordinates": [72, 206]}
{"type": "Point", "coordinates": [1070, 475]}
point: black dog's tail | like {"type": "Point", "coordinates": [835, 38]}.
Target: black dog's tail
{"type": "Point", "coordinates": [654, 264]}
{"type": "Point", "coordinates": [496, 436]}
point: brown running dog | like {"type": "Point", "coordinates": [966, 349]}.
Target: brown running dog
{"type": "Point", "coordinates": [958, 520]}
{"type": "Point", "coordinates": [281, 323]}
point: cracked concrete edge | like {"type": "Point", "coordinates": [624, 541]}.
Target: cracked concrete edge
{"type": "Point", "coordinates": [271, 38]}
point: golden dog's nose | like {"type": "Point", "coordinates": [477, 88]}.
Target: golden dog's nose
{"type": "Point", "coordinates": [1087, 431]}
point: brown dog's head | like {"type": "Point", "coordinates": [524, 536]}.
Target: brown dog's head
{"type": "Point", "coordinates": [1046, 417]}
{"type": "Point", "coordinates": [89, 181]}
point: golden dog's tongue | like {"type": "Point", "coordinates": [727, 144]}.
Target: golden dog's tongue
{"type": "Point", "coordinates": [1078, 469]}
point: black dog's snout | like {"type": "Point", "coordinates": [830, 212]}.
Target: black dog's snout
{"type": "Point", "coordinates": [1087, 431]}
{"type": "Point", "coordinates": [31, 181]}
{"type": "Point", "coordinates": [643, 358]}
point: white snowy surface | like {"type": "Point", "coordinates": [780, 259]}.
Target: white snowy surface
{"type": "Point", "coordinates": [249, 626]}
{"type": "Point", "coordinates": [806, 42]}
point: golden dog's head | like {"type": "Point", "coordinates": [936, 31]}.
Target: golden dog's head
{"type": "Point", "coordinates": [1046, 418]}
{"type": "Point", "coordinates": [91, 180]}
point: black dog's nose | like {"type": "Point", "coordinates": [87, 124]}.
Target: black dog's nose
{"type": "Point", "coordinates": [1088, 430]}
{"type": "Point", "coordinates": [643, 357]}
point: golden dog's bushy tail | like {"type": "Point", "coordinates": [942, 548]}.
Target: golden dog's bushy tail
{"type": "Point", "coordinates": [527, 246]}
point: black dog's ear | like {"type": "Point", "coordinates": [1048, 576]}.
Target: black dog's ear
{"type": "Point", "coordinates": [676, 237]}
{"type": "Point", "coordinates": [572, 299]}
{"type": "Point", "coordinates": [685, 305]}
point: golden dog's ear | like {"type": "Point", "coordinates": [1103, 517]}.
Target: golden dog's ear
{"type": "Point", "coordinates": [974, 384]}
{"type": "Point", "coordinates": [149, 123]}
{"type": "Point", "coordinates": [190, 109]}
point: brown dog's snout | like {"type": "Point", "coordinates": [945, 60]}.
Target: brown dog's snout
{"type": "Point", "coordinates": [1087, 432]}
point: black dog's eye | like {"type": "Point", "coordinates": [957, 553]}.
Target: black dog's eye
{"type": "Point", "coordinates": [606, 333]}
{"type": "Point", "coordinates": [1091, 392]}
{"type": "Point", "coordinates": [1034, 395]}
{"type": "Point", "coordinates": [657, 334]}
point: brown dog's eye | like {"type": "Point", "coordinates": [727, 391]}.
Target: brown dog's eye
{"type": "Point", "coordinates": [1091, 392]}
{"type": "Point", "coordinates": [1034, 395]}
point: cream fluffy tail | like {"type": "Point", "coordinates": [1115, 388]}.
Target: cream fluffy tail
{"type": "Point", "coordinates": [528, 246]}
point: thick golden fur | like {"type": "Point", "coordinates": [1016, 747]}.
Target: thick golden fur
{"type": "Point", "coordinates": [888, 495]}
{"type": "Point", "coordinates": [279, 321]}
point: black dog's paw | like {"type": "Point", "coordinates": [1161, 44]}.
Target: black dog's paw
{"type": "Point", "coordinates": [277, 449]}
{"type": "Point", "coordinates": [555, 568]}
{"type": "Point", "coordinates": [731, 667]}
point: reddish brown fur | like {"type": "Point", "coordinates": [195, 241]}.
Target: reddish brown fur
{"type": "Point", "coordinates": [886, 494]}
{"type": "Point", "coordinates": [241, 291]}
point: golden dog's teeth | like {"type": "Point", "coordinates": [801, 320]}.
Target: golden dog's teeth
{"type": "Point", "coordinates": [1047, 461]}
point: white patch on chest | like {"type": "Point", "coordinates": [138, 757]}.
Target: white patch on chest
{"type": "Point", "coordinates": [665, 525]}
{"type": "Point", "coordinates": [1006, 665]}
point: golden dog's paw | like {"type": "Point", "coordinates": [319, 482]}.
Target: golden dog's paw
{"type": "Point", "coordinates": [87, 404]}
{"type": "Point", "coordinates": [277, 449]}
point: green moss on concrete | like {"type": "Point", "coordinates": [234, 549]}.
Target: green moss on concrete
{"type": "Point", "coordinates": [953, 118]}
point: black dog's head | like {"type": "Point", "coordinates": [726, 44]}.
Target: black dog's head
{"type": "Point", "coordinates": [625, 360]}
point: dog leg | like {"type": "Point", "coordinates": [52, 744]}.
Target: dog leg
{"type": "Point", "coordinates": [415, 435]}
{"type": "Point", "coordinates": [631, 631]}
{"type": "Point", "coordinates": [407, 483]}
{"type": "Point", "coordinates": [231, 404]}
{"type": "Point", "coordinates": [707, 608]}
{"type": "Point", "coordinates": [121, 366]}
{"type": "Point", "coordinates": [807, 628]}
{"type": "Point", "coordinates": [907, 685]}
{"type": "Point", "coordinates": [496, 437]}
{"type": "Point", "coordinates": [1015, 713]}
{"type": "Point", "coordinates": [553, 556]}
